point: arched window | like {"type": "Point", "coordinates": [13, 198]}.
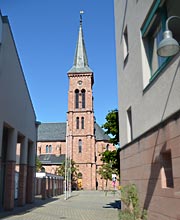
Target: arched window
{"type": "Point", "coordinates": [76, 98]}
{"type": "Point", "coordinates": [80, 146]}
{"type": "Point", "coordinates": [83, 92]}
{"type": "Point", "coordinates": [50, 149]}
{"type": "Point", "coordinates": [53, 170]}
{"type": "Point", "coordinates": [82, 123]}
{"type": "Point", "coordinates": [58, 149]}
{"type": "Point", "coordinates": [77, 123]}
{"type": "Point", "coordinates": [39, 148]}
{"type": "Point", "coordinates": [107, 147]}
{"type": "Point", "coordinates": [47, 149]}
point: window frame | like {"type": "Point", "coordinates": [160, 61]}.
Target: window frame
{"type": "Point", "coordinates": [157, 11]}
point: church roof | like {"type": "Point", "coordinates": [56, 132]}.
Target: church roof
{"type": "Point", "coordinates": [99, 133]}
{"type": "Point", "coordinates": [57, 132]}
{"type": "Point", "coordinates": [80, 59]}
{"type": "Point", "coordinates": [52, 132]}
{"type": "Point", "coordinates": [51, 158]}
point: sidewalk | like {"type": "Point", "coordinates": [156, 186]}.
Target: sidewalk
{"type": "Point", "coordinates": [83, 205]}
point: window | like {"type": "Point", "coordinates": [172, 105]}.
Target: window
{"type": "Point", "coordinates": [125, 45]}
{"type": "Point", "coordinates": [58, 149]}
{"type": "Point", "coordinates": [76, 98]}
{"type": "Point", "coordinates": [152, 38]}
{"type": "Point", "coordinates": [152, 33]}
{"type": "Point", "coordinates": [50, 149]}
{"type": "Point", "coordinates": [47, 149]}
{"type": "Point", "coordinates": [77, 123]}
{"type": "Point", "coordinates": [129, 125]}
{"type": "Point", "coordinates": [83, 98]}
{"type": "Point", "coordinates": [39, 149]}
{"type": "Point", "coordinates": [82, 123]}
{"type": "Point", "coordinates": [107, 147]}
{"type": "Point", "coordinates": [166, 170]}
{"type": "Point", "coordinates": [80, 146]}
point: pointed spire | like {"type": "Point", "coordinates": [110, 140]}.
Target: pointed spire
{"type": "Point", "coordinates": [80, 59]}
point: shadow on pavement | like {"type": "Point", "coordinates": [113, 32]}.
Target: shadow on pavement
{"type": "Point", "coordinates": [28, 207]}
{"type": "Point", "coordinates": [116, 205]}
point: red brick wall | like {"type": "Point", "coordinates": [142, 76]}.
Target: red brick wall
{"type": "Point", "coordinates": [141, 164]}
{"type": "Point", "coordinates": [22, 185]}
{"type": "Point", "coordinates": [9, 185]}
{"type": "Point", "coordinates": [57, 147]}
{"type": "Point", "coordinates": [30, 190]}
{"type": "Point", "coordinates": [51, 168]}
{"type": "Point", "coordinates": [86, 159]}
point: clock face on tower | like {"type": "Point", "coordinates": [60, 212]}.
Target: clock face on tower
{"type": "Point", "coordinates": [79, 82]}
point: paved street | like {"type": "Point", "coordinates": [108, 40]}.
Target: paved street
{"type": "Point", "coordinates": [83, 205]}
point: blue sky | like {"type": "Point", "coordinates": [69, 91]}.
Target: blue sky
{"type": "Point", "coordinates": [45, 33]}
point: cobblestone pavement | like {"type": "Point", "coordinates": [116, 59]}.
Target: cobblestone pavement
{"type": "Point", "coordinates": [83, 205]}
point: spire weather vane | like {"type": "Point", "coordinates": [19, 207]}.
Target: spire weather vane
{"type": "Point", "coordinates": [81, 12]}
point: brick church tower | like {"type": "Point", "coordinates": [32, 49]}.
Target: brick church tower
{"type": "Point", "coordinates": [80, 115]}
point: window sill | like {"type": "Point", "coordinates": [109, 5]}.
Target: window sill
{"type": "Point", "coordinates": [157, 73]}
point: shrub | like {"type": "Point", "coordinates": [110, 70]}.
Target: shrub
{"type": "Point", "coordinates": [132, 210]}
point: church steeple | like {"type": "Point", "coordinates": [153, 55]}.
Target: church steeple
{"type": "Point", "coordinates": [80, 114]}
{"type": "Point", "coordinates": [80, 60]}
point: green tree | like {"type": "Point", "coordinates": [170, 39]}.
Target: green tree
{"type": "Point", "coordinates": [111, 157]}
{"type": "Point", "coordinates": [111, 126]}
{"type": "Point", "coordinates": [105, 171]}
{"type": "Point", "coordinates": [61, 170]}
{"type": "Point", "coordinates": [74, 170]}
{"type": "Point", "coordinates": [38, 165]}
{"type": "Point", "coordinates": [110, 165]}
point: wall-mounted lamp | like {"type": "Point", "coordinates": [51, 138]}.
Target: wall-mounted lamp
{"type": "Point", "coordinates": [168, 46]}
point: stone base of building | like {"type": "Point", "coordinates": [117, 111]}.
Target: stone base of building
{"type": "Point", "coordinates": [22, 185]}
{"type": "Point", "coordinates": [8, 203]}
{"type": "Point", "coordinates": [30, 190]}
{"type": "Point", "coordinates": [152, 162]}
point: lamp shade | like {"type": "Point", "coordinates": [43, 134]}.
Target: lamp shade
{"type": "Point", "coordinates": [168, 46]}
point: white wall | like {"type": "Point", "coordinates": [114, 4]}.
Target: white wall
{"type": "Point", "coordinates": [147, 105]}
{"type": "Point", "coordinates": [16, 108]}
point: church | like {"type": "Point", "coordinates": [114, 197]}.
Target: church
{"type": "Point", "coordinates": [80, 136]}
